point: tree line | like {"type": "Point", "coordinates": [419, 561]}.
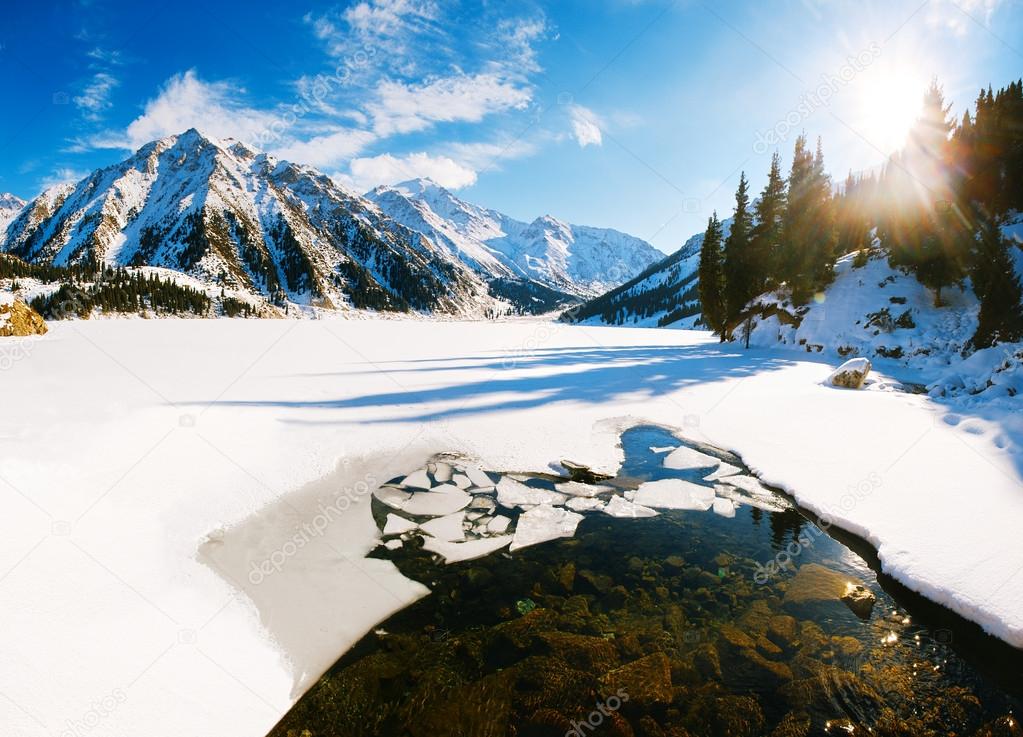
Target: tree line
{"type": "Point", "coordinates": [935, 208]}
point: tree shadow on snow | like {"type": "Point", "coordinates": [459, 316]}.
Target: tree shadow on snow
{"type": "Point", "coordinates": [540, 377]}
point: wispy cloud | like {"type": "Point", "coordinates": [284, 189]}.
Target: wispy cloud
{"type": "Point", "coordinates": [184, 102]}
{"type": "Point", "coordinates": [369, 172]}
{"type": "Point", "coordinates": [95, 97]}
{"type": "Point", "coordinates": [406, 108]}
{"type": "Point", "coordinates": [585, 126]}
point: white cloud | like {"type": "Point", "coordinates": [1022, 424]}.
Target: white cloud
{"type": "Point", "coordinates": [585, 126]}
{"type": "Point", "coordinates": [366, 173]}
{"type": "Point", "coordinates": [327, 150]}
{"type": "Point", "coordinates": [95, 97]}
{"type": "Point", "coordinates": [404, 108]}
{"type": "Point", "coordinates": [63, 175]}
{"type": "Point", "coordinates": [959, 16]}
{"type": "Point", "coordinates": [188, 102]}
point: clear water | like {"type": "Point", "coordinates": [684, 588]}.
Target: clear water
{"type": "Point", "coordinates": [680, 613]}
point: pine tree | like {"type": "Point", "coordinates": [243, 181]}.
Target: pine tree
{"type": "Point", "coordinates": [808, 227]}
{"type": "Point", "coordinates": [712, 297]}
{"type": "Point", "coordinates": [995, 282]}
{"type": "Point", "coordinates": [765, 238]}
{"type": "Point", "coordinates": [740, 284]}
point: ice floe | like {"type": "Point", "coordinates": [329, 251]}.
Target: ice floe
{"type": "Point", "coordinates": [543, 523]}
{"type": "Point", "coordinates": [685, 459]}
{"type": "Point", "coordinates": [674, 494]}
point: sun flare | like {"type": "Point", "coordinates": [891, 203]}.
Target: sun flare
{"type": "Point", "coordinates": [891, 102]}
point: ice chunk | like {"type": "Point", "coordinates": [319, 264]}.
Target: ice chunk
{"type": "Point", "coordinates": [396, 525]}
{"type": "Point", "coordinates": [444, 500]}
{"type": "Point", "coordinates": [442, 473]}
{"type": "Point", "coordinates": [461, 480]}
{"type": "Point", "coordinates": [478, 477]}
{"type": "Point", "coordinates": [662, 448]}
{"type": "Point", "coordinates": [483, 502]}
{"type": "Point", "coordinates": [759, 496]}
{"type": "Point", "coordinates": [417, 480]}
{"type": "Point", "coordinates": [724, 507]}
{"type": "Point", "coordinates": [511, 493]}
{"type": "Point", "coordinates": [393, 544]}
{"type": "Point", "coordinates": [454, 552]}
{"type": "Point", "coordinates": [584, 504]}
{"type": "Point", "coordinates": [620, 507]}
{"type": "Point", "coordinates": [675, 494]}
{"type": "Point", "coordinates": [449, 527]}
{"type": "Point", "coordinates": [575, 488]}
{"type": "Point", "coordinates": [498, 524]}
{"type": "Point", "coordinates": [685, 459]}
{"type": "Point", "coordinates": [393, 498]}
{"type": "Point", "coordinates": [544, 523]}
{"type": "Point", "coordinates": [725, 469]}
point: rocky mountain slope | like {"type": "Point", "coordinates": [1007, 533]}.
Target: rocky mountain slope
{"type": "Point", "coordinates": [578, 260]}
{"type": "Point", "coordinates": [666, 293]}
{"type": "Point", "coordinates": [10, 206]}
{"type": "Point", "coordinates": [228, 216]}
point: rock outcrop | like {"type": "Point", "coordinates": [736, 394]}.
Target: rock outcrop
{"type": "Point", "coordinates": [851, 374]}
{"type": "Point", "coordinates": [18, 319]}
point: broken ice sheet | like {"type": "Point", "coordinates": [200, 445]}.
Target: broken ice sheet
{"type": "Point", "coordinates": [511, 493]}
{"type": "Point", "coordinates": [620, 507]}
{"type": "Point", "coordinates": [674, 494]}
{"type": "Point", "coordinates": [396, 525]}
{"type": "Point", "coordinates": [685, 459]}
{"type": "Point", "coordinates": [448, 527]}
{"type": "Point", "coordinates": [544, 523]}
{"type": "Point", "coordinates": [437, 503]}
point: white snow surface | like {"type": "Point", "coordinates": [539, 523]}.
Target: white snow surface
{"type": "Point", "coordinates": [187, 502]}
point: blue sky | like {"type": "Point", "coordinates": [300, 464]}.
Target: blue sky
{"type": "Point", "coordinates": [633, 114]}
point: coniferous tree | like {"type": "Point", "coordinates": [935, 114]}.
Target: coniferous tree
{"type": "Point", "coordinates": [740, 284]}
{"type": "Point", "coordinates": [808, 232]}
{"type": "Point", "coordinates": [995, 282]}
{"type": "Point", "coordinates": [712, 285]}
{"type": "Point", "coordinates": [765, 238]}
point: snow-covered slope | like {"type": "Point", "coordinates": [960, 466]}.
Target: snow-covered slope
{"type": "Point", "coordinates": [227, 215]}
{"type": "Point", "coordinates": [10, 206]}
{"type": "Point", "coordinates": [574, 259]}
{"type": "Point", "coordinates": [666, 293]}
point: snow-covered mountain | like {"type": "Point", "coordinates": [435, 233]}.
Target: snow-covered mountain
{"type": "Point", "coordinates": [574, 259]}
{"type": "Point", "coordinates": [10, 206]}
{"type": "Point", "coordinates": [666, 293]}
{"type": "Point", "coordinates": [231, 217]}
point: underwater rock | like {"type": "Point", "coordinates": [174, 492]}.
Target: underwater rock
{"type": "Point", "coordinates": [859, 598]}
{"type": "Point", "coordinates": [814, 585]}
{"type": "Point", "coordinates": [793, 724]}
{"type": "Point", "coordinates": [738, 716]}
{"type": "Point", "coordinates": [647, 681]}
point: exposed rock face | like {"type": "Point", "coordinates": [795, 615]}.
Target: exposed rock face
{"type": "Point", "coordinates": [17, 318]}
{"type": "Point", "coordinates": [851, 374]}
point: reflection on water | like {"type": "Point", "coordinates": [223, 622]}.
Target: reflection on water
{"type": "Point", "coordinates": [686, 623]}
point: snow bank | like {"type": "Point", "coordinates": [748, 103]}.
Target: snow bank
{"type": "Point", "coordinates": [187, 509]}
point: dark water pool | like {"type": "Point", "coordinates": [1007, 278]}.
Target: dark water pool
{"type": "Point", "coordinates": [687, 623]}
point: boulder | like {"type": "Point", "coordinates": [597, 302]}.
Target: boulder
{"type": "Point", "coordinates": [647, 681]}
{"type": "Point", "coordinates": [18, 319]}
{"type": "Point", "coordinates": [851, 374]}
{"type": "Point", "coordinates": [815, 585]}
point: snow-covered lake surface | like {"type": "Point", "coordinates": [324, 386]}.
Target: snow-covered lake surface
{"type": "Point", "coordinates": [188, 503]}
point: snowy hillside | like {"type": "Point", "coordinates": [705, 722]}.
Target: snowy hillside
{"type": "Point", "coordinates": [574, 259]}
{"type": "Point", "coordinates": [233, 218]}
{"type": "Point", "coordinates": [10, 206]}
{"type": "Point", "coordinates": [666, 293]}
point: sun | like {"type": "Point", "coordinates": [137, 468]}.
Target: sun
{"type": "Point", "coordinates": [890, 101]}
